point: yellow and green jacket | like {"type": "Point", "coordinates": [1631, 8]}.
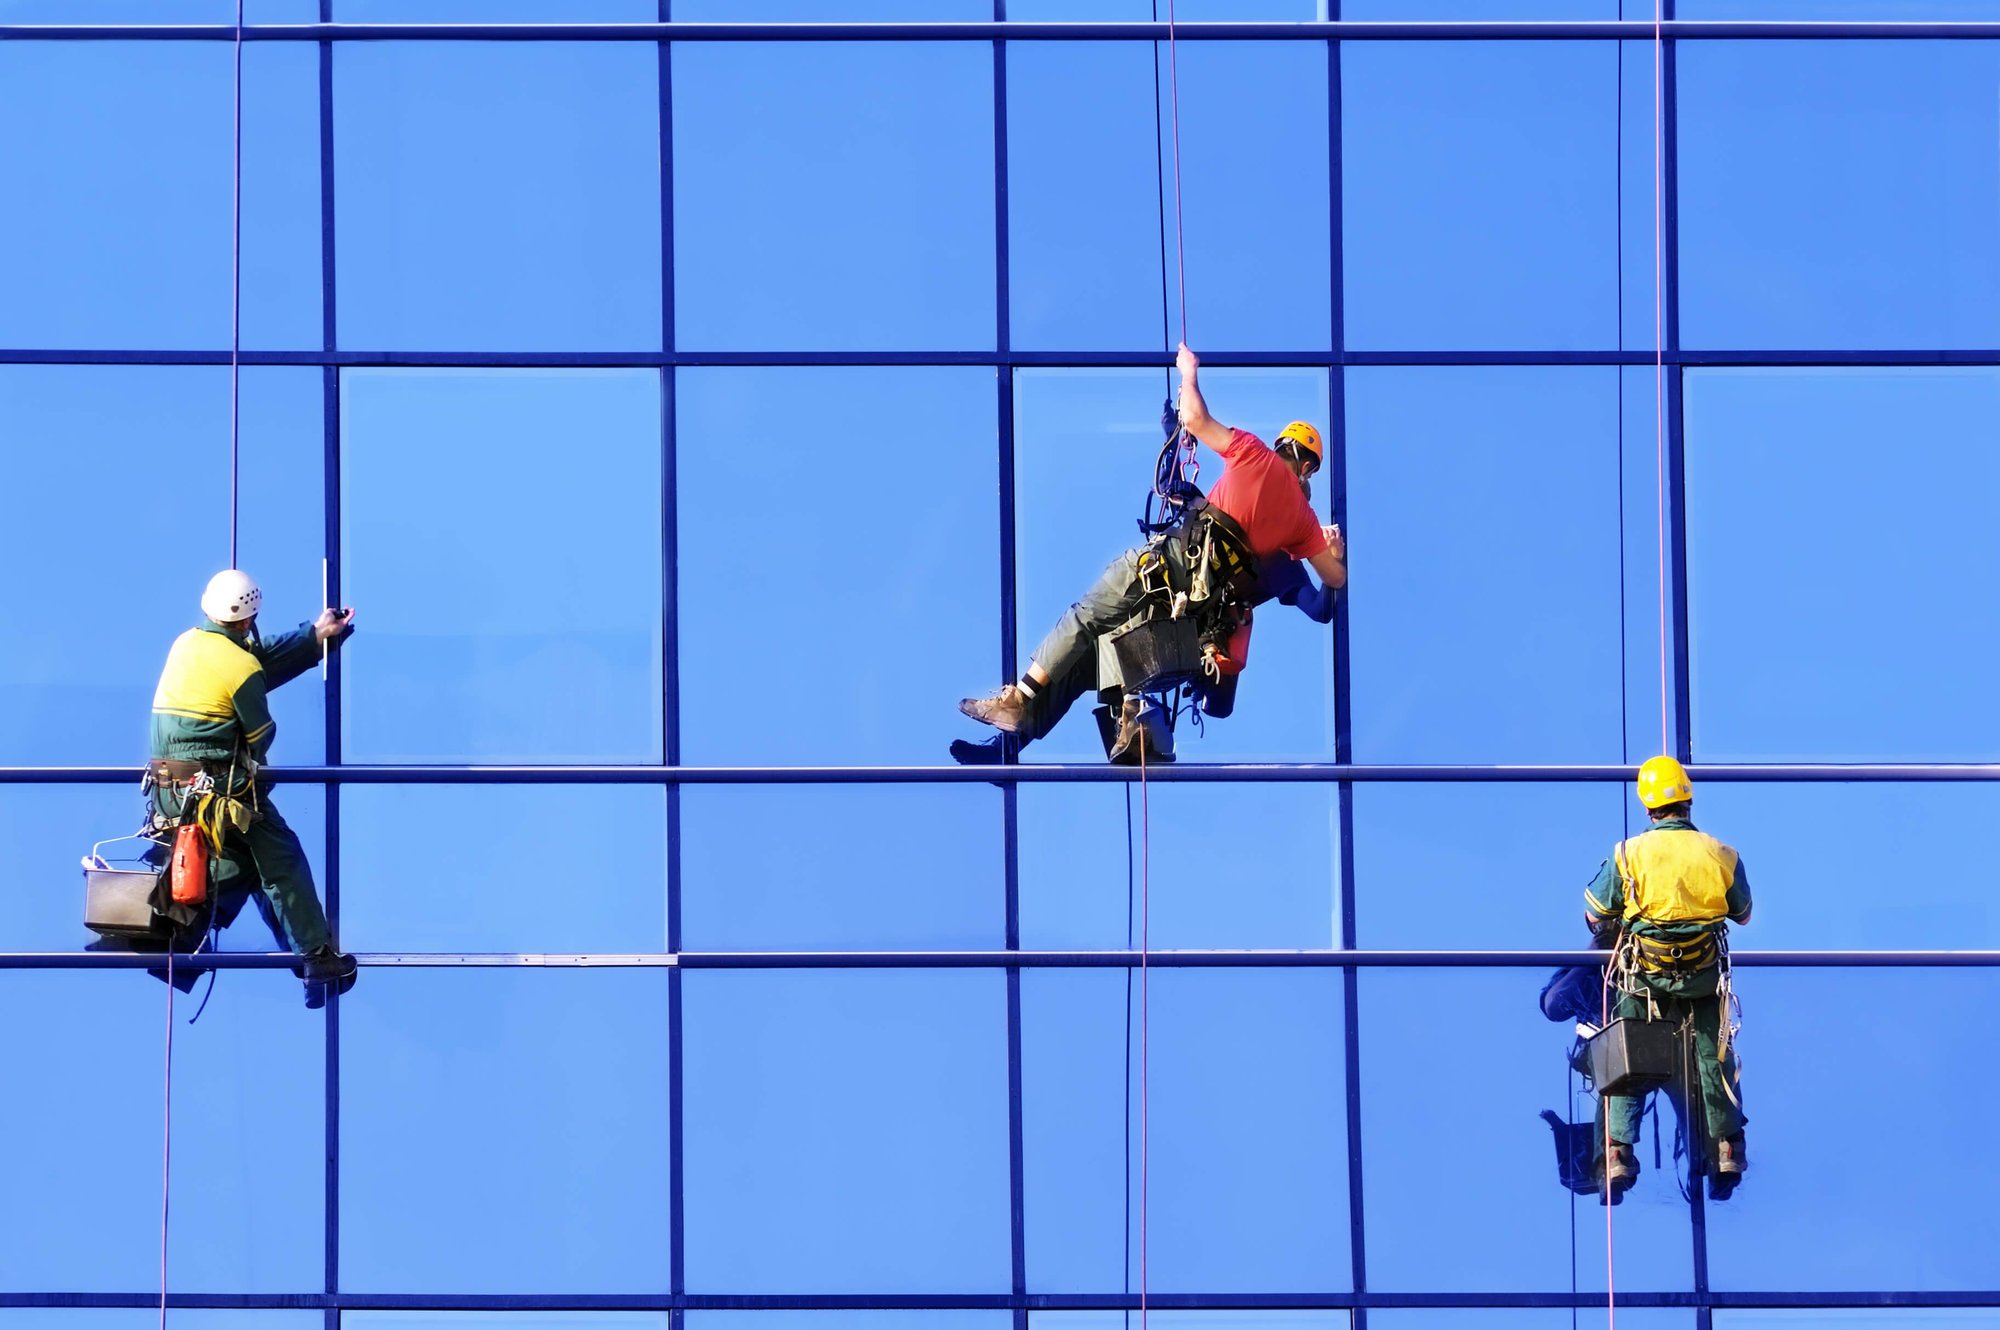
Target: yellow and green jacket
{"type": "Point", "coordinates": [212, 704]}
{"type": "Point", "coordinates": [1670, 887]}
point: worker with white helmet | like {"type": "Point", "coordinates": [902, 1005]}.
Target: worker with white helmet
{"type": "Point", "coordinates": [1667, 896]}
{"type": "Point", "coordinates": [212, 730]}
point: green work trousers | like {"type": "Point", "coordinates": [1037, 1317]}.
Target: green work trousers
{"type": "Point", "coordinates": [269, 858]}
{"type": "Point", "coordinates": [1721, 1116]}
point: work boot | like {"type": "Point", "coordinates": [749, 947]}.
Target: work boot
{"type": "Point", "coordinates": [1006, 710]}
{"type": "Point", "coordinates": [328, 969]}
{"type": "Point", "coordinates": [1621, 1169]}
{"type": "Point", "coordinates": [1130, 732]}
{"type": "Point", "coordinates": [1730, 1160]}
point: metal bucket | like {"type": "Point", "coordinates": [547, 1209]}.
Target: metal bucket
{"type": "Point", "coordinates": [118, 896]}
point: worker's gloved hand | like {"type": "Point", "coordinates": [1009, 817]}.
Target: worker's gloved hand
{"type": "Point", "coordinates": [1170, 419]}
{"type": "Point", "coordinates": [334, 626]}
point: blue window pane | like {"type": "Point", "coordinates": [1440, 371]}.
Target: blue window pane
{"type": "Point", "coordinates": [507, 595]}
{"type": "Point", "coordinates": [1531, 1318]}
{"type": "Point", "coordinates": [805, 868]}
{"type": "Point", "coordinates": [1861, 1318]}
{"type": "Point", "coordinates": [846, 1131]}
{"type": "Point", "coordinates": [1811, 658]}
{"type": "Point", "coordinates": [85, 481]}
{"type": "Point", "coordinates": [157, 11]}
{"type": "Point", "coordinates": [831, 11]}
{"type": "Point", "coordinates": [833, 196]}
{"type": "Point", "coordinates": [447, 1077]}
{"type": "Point", "coordinates": [146, 1318]}
{"type": "Point", "coordinates": [1084, 246]}
{"type": "Point", "coordinates": [496, 11]}
{"type": "Point", "coordinates": [1510, 653]}
{"type": "Point", "coordinates": [1081, 877]}
{"type": "Point", "coordinates": [780, 565]}
{"type": "Point", "coordinates": [1895, 1067]}
{"type": "Point", "coordinates": [503, 868]}
{"type": "Point", "coordinates": [1188, 11]}
{"type": "Point", "coordinates": [1438, 1166]}
{"type": "Point", "coordinates": [1481, 194]}
{"type": "Point", "coordinates": [1920, 837]}
{"type": "Point", "coordinates": [1835, 194]}
{"type": "Point", "coordinates": [1085, 445]}
{"type": "Point", "coordinates": [1481, 866]}
{"type": "Point", "coordinates": [506, 1320]}
{"type": "Point", "coordinates": [130, 166]}
{"type": "Point", "coordinates": [1083, 229]}
{"type": "Point", "coordinates": [500, 196]}
{"type": "Point", "coordinates": [83, 1208]}
{"type": "Point", "coordinates": [1837, 9]}
{"type": "Point", "coordinates": [1492, 11]}
{"type": "Point", "coordinates": [1179, 1320]}
{"type": "Point", "coordinates": [850, 1320]}
{"type": "Point", "coordinates": [1247, 1125]}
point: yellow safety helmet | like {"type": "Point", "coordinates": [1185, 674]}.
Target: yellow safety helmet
{"type": "Point", "coordinates": [1302, 436]}
{"type": "Point", "coordinates": [1663, 781]}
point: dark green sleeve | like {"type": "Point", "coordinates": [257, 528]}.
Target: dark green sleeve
{"type": "Point", "coordinates": [1604, 898]}
{"type": "Point", "coordinates": [253, 713]}
{"type": "Point", "coordinates": [287, 656]}
{"type": "Point", "coordinates": [1738, 899]}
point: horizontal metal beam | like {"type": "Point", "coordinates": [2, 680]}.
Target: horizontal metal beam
{"type": "Point", "coordinates": [1343, 30]}
{"type": "Point", "coordinates": [1180, 959]}
{"type": "Point", "coordinates": [1751, 358]}
{"type": "Point", "coordinates": [1304, 1301]}
{"type": "Point", "coordinates": [1052, 773]}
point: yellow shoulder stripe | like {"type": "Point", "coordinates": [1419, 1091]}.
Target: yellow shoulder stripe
{"type": "Point", "coordinates": [202, 674]}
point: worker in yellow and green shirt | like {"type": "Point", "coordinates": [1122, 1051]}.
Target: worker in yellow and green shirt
{"type": "Point", "coordinates": [211, 719]}
{"type": "Point", "coordinates": [1673, 891]}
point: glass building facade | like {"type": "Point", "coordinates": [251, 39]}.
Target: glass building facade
{"type": "Point", "coordinates": [694, 412]}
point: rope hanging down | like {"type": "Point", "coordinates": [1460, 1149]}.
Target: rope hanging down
{"type": "Point", "coordinates": [1145, 792]}
{"type": "Point", "coordinates": [235, 437]}
{"type": "Point", "coordinates": [1660, 519]}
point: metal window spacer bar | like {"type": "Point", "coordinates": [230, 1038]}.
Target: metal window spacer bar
{"type": "Point", "coordinates": [977, 31]}
{"type": "Point", "coordinates": [1030, 773]}
{"type": "Point", "coordinates": [1185, 958]}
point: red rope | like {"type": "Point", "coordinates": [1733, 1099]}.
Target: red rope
{"type": "Point", "coordinates": [167, 1137]}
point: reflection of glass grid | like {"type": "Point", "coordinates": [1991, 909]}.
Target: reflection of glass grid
{"type": "Point", "coordinates": [1403, 1306]}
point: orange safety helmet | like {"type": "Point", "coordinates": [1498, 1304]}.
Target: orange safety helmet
{"type": "Point", "coordinates": [1305, 439]}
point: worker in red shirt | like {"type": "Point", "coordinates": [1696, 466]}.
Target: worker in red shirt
{"type": "Point", "coordinates": [1265, 492]}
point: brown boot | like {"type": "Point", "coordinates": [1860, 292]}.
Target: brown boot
{"type": "Point", "coordinates": [1006, 710]}
{"type": "Point", "coordinates": [1130, 732]}
{"type": "Point", "coordinates": [1730, 1159]}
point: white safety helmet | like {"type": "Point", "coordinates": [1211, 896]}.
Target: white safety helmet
{"type": "Point", "coordinates": [231, 597]}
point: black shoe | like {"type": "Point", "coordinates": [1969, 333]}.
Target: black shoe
{"type": "Point", "coordinates": [989, 753]}
{"type": "Point", "coordinates": [328, 970]}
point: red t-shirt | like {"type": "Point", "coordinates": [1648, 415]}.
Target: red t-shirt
{"type": "Point", "coordinates": [1259, 491]}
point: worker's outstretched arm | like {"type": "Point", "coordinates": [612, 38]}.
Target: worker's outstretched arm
{"type": "Point", "coordinates": [1194, 411]}
{"type": "Point", "coordinates": [1331, 562]}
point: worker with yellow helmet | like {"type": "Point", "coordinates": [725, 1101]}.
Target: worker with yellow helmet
{"type": "Point", "coordinates": [1669, 895]}
{"type": "Point", "coordinates": [1264, 493]}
